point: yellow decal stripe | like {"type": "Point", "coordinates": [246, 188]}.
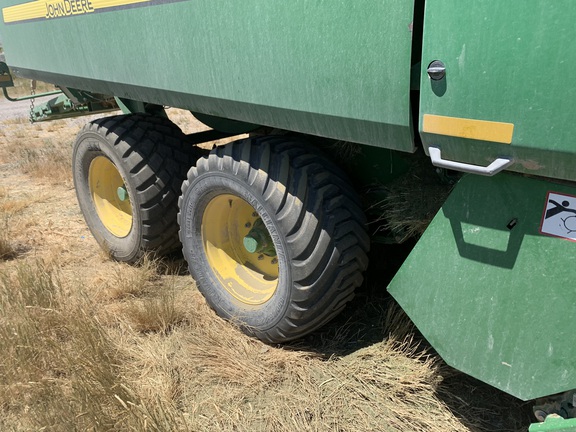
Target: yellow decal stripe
{"type": "Point", "coordinates": [46, 9]}
{"type": "Point", "coordinates": [31, 10]}
{"type": "Point", "coordinates": [468, 128]}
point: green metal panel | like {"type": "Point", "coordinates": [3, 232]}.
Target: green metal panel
{"type": "Point", "coordinates": [336, 69]}
{"type": "Point", "coordinates": [554, 424]}
{"type": "Point", "coordinates": [510, 62]}
{"type": "Point", "coordinates": [491, 294]}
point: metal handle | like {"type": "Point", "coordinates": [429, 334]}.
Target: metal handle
{"type": "Point", "coordinates": [436, 70]}
{"type": "Point", "coordinates": [494, 168]}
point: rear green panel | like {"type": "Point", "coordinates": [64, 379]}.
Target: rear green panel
{"type": "Point", "coordinates": [334, 69]}
{"type": "Point", "coordinates": [494, 296]}
{"type": "Point", "coordinates": [506, 61]}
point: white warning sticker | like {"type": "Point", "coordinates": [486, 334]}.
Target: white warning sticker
{"type": "Point", "coordinates": [559, 218]}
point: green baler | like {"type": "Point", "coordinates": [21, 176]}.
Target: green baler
{"type": "Point", "coordinates": [274, 226]}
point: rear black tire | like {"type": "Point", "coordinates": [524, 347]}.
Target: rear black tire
{"type": "Point", "coordinates": [152, 158]}
{"type": "Point", "coordinates": [312, 215]}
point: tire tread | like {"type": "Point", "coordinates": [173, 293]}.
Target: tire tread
{"type": "Point", "coordinates": [156, 157]}
{"type": "Point", "coordinates": [320, 216]}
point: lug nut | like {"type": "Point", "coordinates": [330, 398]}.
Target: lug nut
{"type": "Point", "coordinates": [260, 257]}
{"type": "Point", "coordinates": [254, 214]}
{"type": "Point", "coordinates": [274, 260]}
{"type": "Point", "coordinates": [247, 224]}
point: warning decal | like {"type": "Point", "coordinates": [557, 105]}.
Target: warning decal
{"type": "Point", "coordinates": [559, 218]}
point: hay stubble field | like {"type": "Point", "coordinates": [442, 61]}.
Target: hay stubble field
{"type": "Point", "coordinates": [87, 343]}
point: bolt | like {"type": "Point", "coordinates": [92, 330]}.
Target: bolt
{"type": "Point", "coordinates": [274, 260]}
{"type": "Point", "coordinates": [247, 224]}
{"type": "Point", "coordinates": [260, 257]}
{"type": "Point", "coordinates": [540, 415]}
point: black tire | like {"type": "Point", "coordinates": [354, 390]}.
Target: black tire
{"type": "Point", "coordinates": [152, 158]}
{"type": "Point", "coordinates": [314, 220]}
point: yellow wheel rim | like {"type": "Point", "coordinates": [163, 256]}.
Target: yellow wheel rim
{"type": "Point", "coordinates": [251, 278]}
{"type": "Point", "coordinates": [109, 196]}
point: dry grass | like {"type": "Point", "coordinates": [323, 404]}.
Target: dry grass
{"type": "Point", "coordinates": [411, 201]}
{"type": "Point", "coordinates": [90, 344]}
{"type": "Point", "coordinates": [57, 361]}
{"type": "Point", "coordinates": [158, 314]}
{"type": "Point", "coordinates": [7, 250]}
{"type": "Point", "coordinates": [77, 367]}
{"type": "Point", "coordinates": [44, 158]}
{"type": "Point", "coordinates": [49, 161]}
{"type": "Point", "coordinates": [128, 281]}
{"type": "Point", "coordinates": [7, 209]}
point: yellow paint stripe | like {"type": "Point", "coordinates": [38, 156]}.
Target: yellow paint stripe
{"type": "Point", "coordinates": [37, 9]}
{"type": "Point", "coordinates": [468, 128]}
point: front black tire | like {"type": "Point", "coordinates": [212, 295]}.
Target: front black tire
{"type": "Point", "coordinates": [311, 215]}
{"type": "Point", "coordinates": [148, 157]}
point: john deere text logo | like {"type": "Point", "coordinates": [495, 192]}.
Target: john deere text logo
{"type": "Point", "coordinates": [49, 9]}
{"type": "Point", "coordinates": [55, 9]}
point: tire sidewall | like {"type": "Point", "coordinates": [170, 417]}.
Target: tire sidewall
{"type": "Point", "coordinates": [254, 318]}
{"type": "Point", "coordinates": [90, 145]}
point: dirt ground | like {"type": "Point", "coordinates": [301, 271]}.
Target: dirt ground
{"type": "Point", "coordinates": [179, 366]}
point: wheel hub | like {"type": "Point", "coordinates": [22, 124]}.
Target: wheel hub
{"type": "Point", "coordinates": [122, 193]}
{"type": "Point", "coordinates": [239, 249]}
{"type": "Point", "coordinates": [258, 240]}
{"type": "Point", "coordinates": [110, 196]}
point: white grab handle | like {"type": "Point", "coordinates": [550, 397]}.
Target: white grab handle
{"type": "Point", "coordinates": [492, 169]}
